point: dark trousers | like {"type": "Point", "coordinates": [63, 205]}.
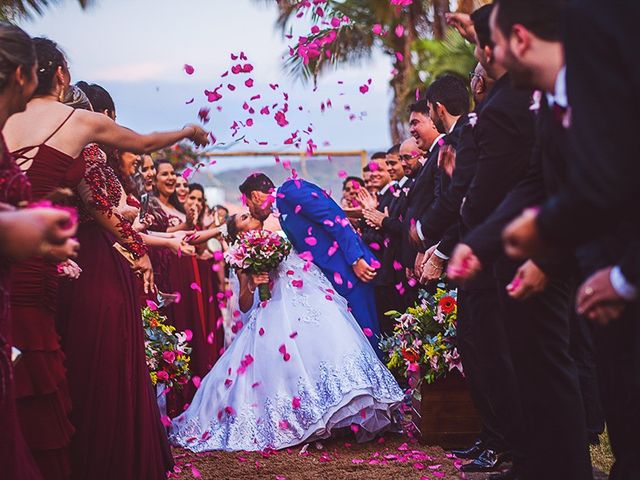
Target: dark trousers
{"type": "Point", "coordinates": [388, 298]}
{"type": "Point", "coordinates": [553, 433]}
{"type": "Point", "coordinates": [583, 352]}
{"type": "Point", "coordinates": [618, 356]}
{"type": "Point", "coordinates": [486, 360]}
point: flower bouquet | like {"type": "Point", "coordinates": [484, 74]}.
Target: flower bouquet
{"type": "Point", "coordinates": [423, 340]}
{"type": "Point", "coordinates": [258, 251]}
{"type": "Point", "coordinates": [167, 351]}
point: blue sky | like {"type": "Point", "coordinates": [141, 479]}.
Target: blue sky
{"type": "Point", "coordinates": [137, 48]}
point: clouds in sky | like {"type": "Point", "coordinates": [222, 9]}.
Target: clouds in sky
{"type": "Point", "coordinates": [137, 49]}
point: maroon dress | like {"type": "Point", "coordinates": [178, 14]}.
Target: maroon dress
{"type": "Point", "coordinates": [41, 390]}
{"type": "Point", "coordinates": [196, 311]}
{"type": "Point", "coordinates": [15, 459]}
{"type": "Point", "coordinates": [119, 434]}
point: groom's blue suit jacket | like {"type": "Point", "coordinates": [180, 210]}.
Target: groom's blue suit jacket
{"type": "Point", "coordinates": [321, 218]}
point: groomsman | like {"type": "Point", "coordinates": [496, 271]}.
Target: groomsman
{"type": "Point", "coordinates": [392, 290]}
{"type": "Point", "coordinates": [601, 195]}
{"type": "Point", "coordinates": [424, 191]}
{"type": "Point", "coordinates": [553, 436]}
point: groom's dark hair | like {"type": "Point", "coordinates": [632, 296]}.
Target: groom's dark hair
{"type": "Point", "coordinates": [257, 182]}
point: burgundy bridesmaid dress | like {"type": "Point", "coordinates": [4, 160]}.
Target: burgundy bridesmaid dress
{"type": "Point", "coordinates": [196, 311]}
{"type": "Point", "coordinates": [16, 461]}
{"type": "Point", "coordinates": [41, 390]}
{"type": "Point", "coordinates": [119, 434]}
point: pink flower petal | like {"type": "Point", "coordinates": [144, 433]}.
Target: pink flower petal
{"type": "Point", "coordinates": [189, 69]}
{"type": "Point", "coordinates": [295, 403]}
{"type": "Point", "coordinates": [367, 331]}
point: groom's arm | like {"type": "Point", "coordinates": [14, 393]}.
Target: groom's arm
{"type": "Point", "coordinates": [323, 211]}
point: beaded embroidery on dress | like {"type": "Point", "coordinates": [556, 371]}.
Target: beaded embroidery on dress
{"type": "Point", "coordinates": [299, 369]}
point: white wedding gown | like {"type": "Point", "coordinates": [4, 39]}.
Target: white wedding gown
{"type": "Point", "coordinates": [300, 368]}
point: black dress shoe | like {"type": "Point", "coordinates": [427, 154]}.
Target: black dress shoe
{"type": "Point", "coordinates": [510, 474]}
{"type": "Point", "coordinates": [472, 452]}
{"type": "Point", "coordinates": [487, 461]}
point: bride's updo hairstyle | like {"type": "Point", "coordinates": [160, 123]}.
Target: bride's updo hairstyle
{"type": "Point", "coordinates": [232, 228]}
{"type": "Point", "coordinates": [50, 58]}
{"type": "Point", "coordinates": [16, 50]}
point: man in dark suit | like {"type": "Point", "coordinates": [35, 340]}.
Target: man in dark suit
{"type": "Point", "coordinates": [424, 190]}
{"type": "Point", "coordinates": [601, 195]}
{"type": "Point", "coordinates": [554, 429]}
{"type": "Point", "coordinates": [392, 290]}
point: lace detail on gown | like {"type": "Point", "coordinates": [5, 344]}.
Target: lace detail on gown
{"type": "Point", "coordinates": [300, 368]}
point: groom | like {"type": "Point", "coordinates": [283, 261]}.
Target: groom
{"type": "Point", "coordinates": [319, 229]}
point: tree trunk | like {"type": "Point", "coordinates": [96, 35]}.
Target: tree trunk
{"type": "Point", "coordinates": [440, 7]}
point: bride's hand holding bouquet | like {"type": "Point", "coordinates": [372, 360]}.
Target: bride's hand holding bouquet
{"type": "Point", "coordinates": [258, 252]}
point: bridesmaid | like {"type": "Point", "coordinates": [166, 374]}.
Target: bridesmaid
{"type": "Point", "coordinates": [48, 140]}
{"type": "Point", "coordinates": [25, 233]}
{"type": "Point", "coordinates": [181, 193]}
{"type": "Point", "coordinates": [209, 276]}
{"type": "Point", "coordinates": [193, 312]}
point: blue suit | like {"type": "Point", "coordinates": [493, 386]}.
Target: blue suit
{"type": "Point", "coordinates": [321, 218]}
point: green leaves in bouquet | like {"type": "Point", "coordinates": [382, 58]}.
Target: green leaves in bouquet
{"type": "Point", "coordinates": [167, 351]}
{"type": "Point", "coordinates": [423, 345]}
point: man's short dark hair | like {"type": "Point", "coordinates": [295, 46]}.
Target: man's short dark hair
{"type": "Point", "coordinates": [450, 91]}
{"type": "Point", "coordinates": [257, 182]}
{"type": "Point", "coordinates": [366, 168]}
{"type": "Point", "coordinates": [421, 106]}
{"type": "Point", "coordinates": [544, 18]}
{"type": "Point", "coordinates": [352, 179]}
{"type": "Point", "coordinates": [395, 150]}
{"type": "Point", "coordinates": [378, 155]}
{"type": "Point", "coordinates": [480, 19]}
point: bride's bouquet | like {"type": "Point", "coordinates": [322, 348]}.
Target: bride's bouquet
{"type": "Point", "coordinates": [258, 251]}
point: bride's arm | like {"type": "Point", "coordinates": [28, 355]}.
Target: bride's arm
{"type": "Point", "coordinates": [248, 285]}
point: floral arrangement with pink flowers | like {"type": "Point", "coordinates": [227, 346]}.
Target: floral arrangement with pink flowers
{"type": "Point", "coordinates": [258, 251]}
{"type": "Point", "coordinates": [423, 343]}
{"type": "Point", "coordinates": [168, 351]}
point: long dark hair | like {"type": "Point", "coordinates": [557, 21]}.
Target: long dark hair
{"type": "Point", "coordinates": [16, 50]}
{"type": "Point", "coordinates": [173, 198]}
{"type": "Point", "coordinates": [50, 58]}
{"type": "Point", "coordinates": [232, 228]}
{"type": "Point", "coordinates": [99, 97]}
{"type": "Point", "coordinates": [200, 188]}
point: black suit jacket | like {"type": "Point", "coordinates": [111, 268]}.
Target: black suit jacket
{"type": "Point", "coordinates": [374, 238]}
{"type": "Point", "coordinates": [444, 211]}
{"type": "Point", "coordinates": [392, 229]}
{"type": "Point", "coordinates": [504, 136]}
{"type": "Point", "coordinates": [603, 86]}
{"type": "Point", "coordinates": [422, 193]}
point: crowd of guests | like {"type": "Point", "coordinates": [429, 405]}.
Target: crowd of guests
{"type": "Point", "coordinates": [93, 230]}
{"type": "Point", "coordinates": [522, 195]}
{"type": "Point", "coordinates": [524, 199]}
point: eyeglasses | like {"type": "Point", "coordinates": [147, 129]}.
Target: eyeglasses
{"type": "Point", "coordinates": [474, 74]}
{"type": "Point", "coordinates": [406, 158]}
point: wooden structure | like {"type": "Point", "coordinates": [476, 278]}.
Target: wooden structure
{"type": "Point", "coordinates": [445, 415]}
{"type": "Point", "coordinates": [302, 155]}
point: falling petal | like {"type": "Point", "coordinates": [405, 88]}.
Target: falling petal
{"type": "Point", "coordinates": [189, 69]}
{"type": "Point", "coordinates": [367, 331]}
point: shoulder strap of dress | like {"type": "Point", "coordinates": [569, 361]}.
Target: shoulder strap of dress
{"type": "Point", "coordinates": [59, 127]}
{"type": "Point", "coordinates": [19, 154]}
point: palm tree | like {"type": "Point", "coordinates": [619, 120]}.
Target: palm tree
{"type": "Point", "coordinates": [355, 43]}
{"type": "Point", "coordinates": [12, 9]}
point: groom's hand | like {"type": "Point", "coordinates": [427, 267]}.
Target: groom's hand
{"type": "Point", "coordinates": [364, 271]}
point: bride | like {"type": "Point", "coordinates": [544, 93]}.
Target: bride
{"type": "Point", "coordinates": [299, 369]}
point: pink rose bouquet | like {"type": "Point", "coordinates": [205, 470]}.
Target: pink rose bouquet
{"type": "Point", "coordinates": [258, 251]}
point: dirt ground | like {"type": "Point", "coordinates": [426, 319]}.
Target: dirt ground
{"type": "Point", "coordinates": [393, 457]}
